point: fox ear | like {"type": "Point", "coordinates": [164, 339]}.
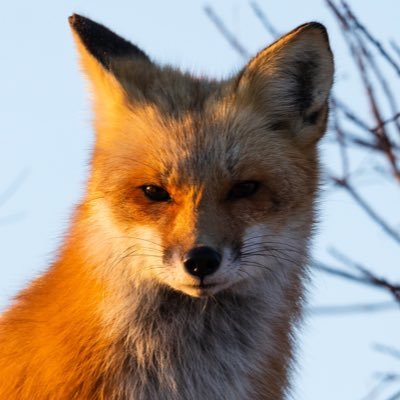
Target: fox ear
{"type": "Point", "coordinates": [105, 57]}
{"type": "Point", "coordinates": [289, 82]}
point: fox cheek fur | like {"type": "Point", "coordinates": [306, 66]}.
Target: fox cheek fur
{"type": "Point", "coordinates": [182, 274]}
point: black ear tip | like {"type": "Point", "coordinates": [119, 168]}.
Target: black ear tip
{"type": "Point", "coordinates": [315, 26]}
{"type": "Point", "coordinates": [75, 19]}
{"type": "Point", "coordinates": [71, 19]}
{"type": "Point", "coordinates": [81, 24]}
{"type": "Point", "coordinates": [103, 43]}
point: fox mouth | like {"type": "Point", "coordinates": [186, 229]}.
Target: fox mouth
{"type": "Point", "coordinates": [202, 289]}
{"type": "Point", "coordinates": [202, 285]}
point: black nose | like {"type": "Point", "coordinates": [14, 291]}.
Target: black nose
{"type": "Point", "coordinates": [202, 261]}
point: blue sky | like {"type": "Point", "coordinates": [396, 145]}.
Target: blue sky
{"type": "Point", "coordinates": [46, 138]}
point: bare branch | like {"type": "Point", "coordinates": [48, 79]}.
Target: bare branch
{"type": "Point", "coordinates": [374, 279]}
{"type": "Point", "coordinates": [15, 185]}
{"type": "Point", "coordinates": [363, 59]}
{"type": "Point", "coordinates": [382, 81]}
{"type": "Point", "coordinates": [372, 39]}
{"type": "Point", "coordinates": [394, 118]}
{"type": "Point", "coordinates": [395, 47]}
{"type": "Point", "coordinates": [226, 33]}
{"type": "Point", "coordinates": [352, 309]}
{"type": "Point", "coordinates": [367, 279]}
{"type": "Point", "coordinates": [351, 115]}
{"type": "Point", "coordinates": [318, 265]}
{"type": "Point", "coordinates": [264, 20]}
{"type": "Point", "coordinates": [341, 140]}
{"type": "Point", "coordinates": [382, 348]}
{"type": "Point", "coordinates": [349, 262]}
{"type": "Point", "coordinates": [395, 396]}
{"type": "Point", "coordinates": [367, 208]}
{"type": "Point", "coordinates": [368, 145]}
{"type": "Point", "coordinates": [357, 120]}
{"type": "Point", "coordinates": [383, 382]}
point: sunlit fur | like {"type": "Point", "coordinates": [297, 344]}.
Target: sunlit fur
{"type": "Point", "coordinates": [116, 317]}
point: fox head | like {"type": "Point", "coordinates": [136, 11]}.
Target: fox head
{"type": "Point", "coordinates": [198, 185]}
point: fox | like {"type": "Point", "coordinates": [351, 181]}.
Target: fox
{"type": "Point", "coordinates": [184, 271]}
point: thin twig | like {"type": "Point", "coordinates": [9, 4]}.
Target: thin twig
{"type": "Point", "coordinates": [226, 33]}
{"type": "Point", "coordinates": [383, 382]}
{"type": "Point", "coordinates": [368, 145]}
{"type": "Point", "coordinates": [15, 185]}
{"type": "Point", "coordinates": [394, 118]}
{"type": "Point", "coordinates": [353, 308]}
{"type": "Point", "coordinates": [351, 115]}
{"type": "Point", "coordinates": [367, 208]}
{"type": "Point", "coordinates": [383, 348]}
{"type": "Point", "coordinates": [318, 265]}
{"type": "Point", "coordinates": [395, 47]}
{"type": "Point", "coordinates": [349, 262]}
{"type": "Point", "coordinates": [360, 55]}
{"type": "Point", "coordinates": [395, 396]}
{"type": "Point", "coordinates": [372, 39]}
{"type": "Point", "coordinates": [368, 280]}
{"type": "Point", "coordinates": [264, 20]}
{"type": "Point", "coordinates": [381, 79]}
{"type": "Point", "coordinates": [341, 140]}
{"type": "Point", "coordinates": [374, 279]}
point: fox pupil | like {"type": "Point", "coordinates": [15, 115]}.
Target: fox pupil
{"type": "Point", "coordinates": [243, 189]}
{"type": "Point", "coordinates": [155, 193]}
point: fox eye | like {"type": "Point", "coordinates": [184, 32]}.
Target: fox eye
{"type": "Point", "coordinates": [243, 189]}
{"type": "Point", "coordinates": [155, 193]}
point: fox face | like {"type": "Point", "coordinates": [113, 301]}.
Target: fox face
{"type": "Point", "coordinates": [204, 186]}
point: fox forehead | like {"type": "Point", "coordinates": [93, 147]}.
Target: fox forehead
{"type": "Point", "coordinates": [223, 141]}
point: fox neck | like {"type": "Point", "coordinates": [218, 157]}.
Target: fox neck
{"type": "Point", "coordinates": [177, 347]}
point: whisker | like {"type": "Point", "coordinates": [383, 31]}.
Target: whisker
{"type": "Point", "coordinates": [120, 257]}
{"type": "Point", "coordinates": [283, 248]}
{"type": "Point", "coordinates": [243, 274]}
{"type": "Point", "coordinates": [145, 255]}
{"type": "Point", "coordinates": [151, 249]}
{"type": "Point", "coordinates": [265, 249]}
{"type": "Point", "coordinates": [262, 250]}
{"type": "Point", "coordinates": [286, 245]}
{"type": "Point", "coordinates": [137, 238]}
{"type": "Point", "coordinates": [257, 265]}
{"type": "Point", "coordinates": [152, 267]}
{"type": "Point", "coordinates": [278, 258]}
{"type": "Point", "coordinates": [266, 235]}
{"type": "Point", "coordinates": [288, 259]}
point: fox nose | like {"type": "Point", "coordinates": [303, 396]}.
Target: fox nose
{"type": "Point", "coordinates": [202, 261]}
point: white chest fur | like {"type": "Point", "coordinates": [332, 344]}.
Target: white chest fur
{"type": "Point", "coordinates": [182, 348]}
